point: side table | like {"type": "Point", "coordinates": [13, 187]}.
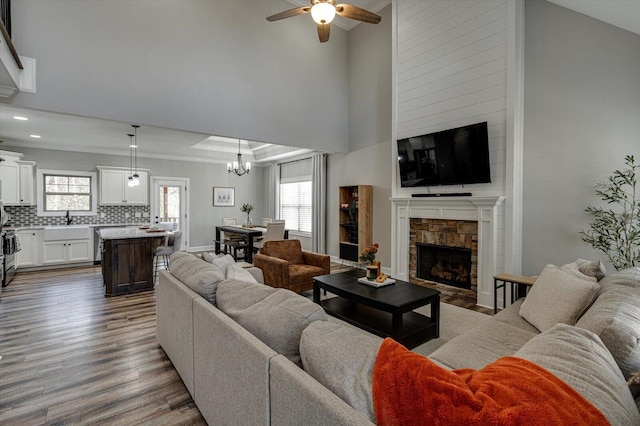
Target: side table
{"type": "Point", "coordinates": [519, 285]}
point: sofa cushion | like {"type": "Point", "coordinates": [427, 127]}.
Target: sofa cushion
{"type": "Point", "coordinates": [196, 274]}
{"type": "Point", "coordinates": [628, 277]}
{"type": "Point", "coordinates": [278, 320]}
{"type": "Point", "coordinates": [615, 318]}
{"type": "Point", "coordinates": [482, 345]}
{"type": "Point", "coordinates": [301, 273]}
{"type": "Point", "coordinates": [238, 294]}
{"type": "Point", "coordinates": [341, 358]}
{"type": "Point", "coordinates": [558, 296]}
{"type": "Point", "coordinates": [580, 359]}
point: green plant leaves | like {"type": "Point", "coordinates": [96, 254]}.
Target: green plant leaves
{"type": "Point", "coordinates": [616, 232]}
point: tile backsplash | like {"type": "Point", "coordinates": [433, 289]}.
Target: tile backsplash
{"type": "Point", "coordinates": [27, 216]}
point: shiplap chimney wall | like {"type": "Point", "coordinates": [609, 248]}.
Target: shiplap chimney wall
{"type": "Point", "coordinates": [457, 62]}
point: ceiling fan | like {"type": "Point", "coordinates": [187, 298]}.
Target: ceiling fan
{"type": "Point", "coordinates": [323, 12]}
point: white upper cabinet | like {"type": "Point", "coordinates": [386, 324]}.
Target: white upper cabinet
{"type": "Point", "coordinates": [27, 182]}
{"type": "Point", "coordinates": [115, 189]}
{"type": "Point", "coordinates": [17, 179]}
{"type": "Point", "coordinates": [10, 178]}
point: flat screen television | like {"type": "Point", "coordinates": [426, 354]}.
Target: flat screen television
{"type": "Point", "coordinates": [450, 157]}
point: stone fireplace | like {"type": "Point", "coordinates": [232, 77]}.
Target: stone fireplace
{"type": "Point", "coordinates": [444, 254]}
{"type": "Point", "coordinates": [461, 223]}
{"type": "Point", "coordinates": [443, 264]}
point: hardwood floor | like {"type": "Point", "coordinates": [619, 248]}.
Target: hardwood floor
{"type": "Point", "coordinates": [72, 356]}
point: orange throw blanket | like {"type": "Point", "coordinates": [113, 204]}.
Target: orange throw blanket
{"type": "Point", "coordinates": [409, 389]}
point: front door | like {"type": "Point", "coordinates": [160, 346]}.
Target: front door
{"type": "Point", "coordinates": [170, 205]}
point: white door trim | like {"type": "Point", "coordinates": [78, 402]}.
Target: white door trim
{"type": "Point", "coordinates": [156, 181]}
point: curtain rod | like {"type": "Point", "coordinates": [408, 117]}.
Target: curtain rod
{"type": "Point", "coordinates": [301, 159]}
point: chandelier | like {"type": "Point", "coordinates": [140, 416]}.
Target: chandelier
{"type": "Point", "coordinates": [237, 167]}
{"type": "Point", "coordinates": [133, 151]}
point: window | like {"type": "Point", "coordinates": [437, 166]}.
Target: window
{"type": "Point", "coordinates": [66, 192]}
{"type": "Point", "coordinates": [295, 205]}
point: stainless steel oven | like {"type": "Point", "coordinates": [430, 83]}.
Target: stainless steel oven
{"type": "Point", "coordinates": [10, 246]}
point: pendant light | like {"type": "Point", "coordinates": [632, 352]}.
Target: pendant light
{"type": "Point", "coordinates": [237, 167]}
{"type": "Point", "coordinates": [133, 146]}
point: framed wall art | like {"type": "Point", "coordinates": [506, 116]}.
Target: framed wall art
{"type": "Point", "coordinates": [224, 197]}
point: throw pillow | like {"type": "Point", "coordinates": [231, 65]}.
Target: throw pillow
{"type": "Point", "coordinates": [279, 320]}
{"type": "Point", "coordinates": [209, 257]}
{"type": "Point", "coordinates": [594, 268]}
{"type": "Point", "coordinates": [342, 359]}
{"type": "Point", "coordinates": [222, 262]}
{"type": "Point", "coordinates": [237, 272]}
{"type": "Point", "coordinates": [557, 296]}
{"type": "Point", "coordinates": [580, 359]}
{"type": "Point", "coordinates": [615, 318]}
{"type": "Point", "coordinates": [196, 274]}
{"type": "Point", "coordinates": [410, 389]}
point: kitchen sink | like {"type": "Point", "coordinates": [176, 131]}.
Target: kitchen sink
{"type": "Point", "coordinates": [70, 232]}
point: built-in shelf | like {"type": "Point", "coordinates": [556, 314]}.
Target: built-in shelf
{"type": "Point", "coordinates": [356, 222]}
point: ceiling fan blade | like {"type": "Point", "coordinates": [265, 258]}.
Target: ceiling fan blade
{"type": "Point", "coordinates": [289, 13]}
{"type": "Point", "coordinates": [323, 32]}
{"type": "Point", "coordinates": [354, 12]}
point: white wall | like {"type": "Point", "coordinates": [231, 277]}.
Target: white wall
{"type": "Point", "coordinates": [215, 67]}
{"type": "Point", "coordinates": [203, 177]}
{"type": "Point", "coordinates": [370, 105]}
{"type": "Point", "coordinates": [364, 167]}
{"type": "Point", "coordinates": [582, 110]}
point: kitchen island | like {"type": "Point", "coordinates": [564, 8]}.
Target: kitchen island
{"type": "Point", "coordinates": [127, 259]}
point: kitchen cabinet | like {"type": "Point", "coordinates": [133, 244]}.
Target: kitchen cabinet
{"type": "Point", "coordinates": [31, 244]}
{"type": "Point", "coordinates": [127, 264]}
{"type": "Point", "coordinates": [26, 178]}
{"type": "Point", "coordinates": [10, 178]}
{"type": "Point", "coordinates": [67, 251]}
{"type": "Point", "coordinates": [17, 179]}
{"type": "Point", "coordinates": [115, 189]}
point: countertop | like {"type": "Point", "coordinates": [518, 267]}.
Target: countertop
{"type": "Point", "coordinates": [129, 232]}
{"type": "Point", "coordinates": [100, 225]}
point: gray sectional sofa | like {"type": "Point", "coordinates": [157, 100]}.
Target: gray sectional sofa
{"type": "Point", "coordinates": [250, 354]}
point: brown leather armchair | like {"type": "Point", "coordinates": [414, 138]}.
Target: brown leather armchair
{"type": "Point", "coordinates": [285, 264]}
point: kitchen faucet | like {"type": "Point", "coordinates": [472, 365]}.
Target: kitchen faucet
{"type": "Point", "coordinates": [69, 218]}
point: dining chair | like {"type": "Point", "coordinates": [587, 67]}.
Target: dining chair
{"type": "Point", "coordinates": [233, 243]}
{"type": "Point", "coordinates": [266, 220]}
{"type": "Point", "coordinates": [275, 231]}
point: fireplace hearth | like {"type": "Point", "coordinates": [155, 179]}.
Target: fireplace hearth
{"type": "Point", "coordinates": [444, 264]}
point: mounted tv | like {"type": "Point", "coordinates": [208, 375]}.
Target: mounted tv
{"type": "Point", "coordinates": [450, 157]}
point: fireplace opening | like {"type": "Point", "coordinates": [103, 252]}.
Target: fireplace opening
{"type": "Point", "coordinates": [444, 264]}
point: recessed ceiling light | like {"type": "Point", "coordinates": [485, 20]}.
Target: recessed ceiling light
{"type": "Point", "coordinates": [19, 117]}
{"type": "Point", "coordinates": [35, 136]}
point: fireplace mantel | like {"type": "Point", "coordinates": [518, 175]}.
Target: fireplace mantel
{"type": "Point", "coordinates": [484, 210]}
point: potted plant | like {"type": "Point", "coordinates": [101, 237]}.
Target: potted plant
{"type": "Point", "coordinates": [247, 208]}
{"type": "Point", "coordinates": [616, 231]}
{"type": "Point", "coordinates": [369, 255]}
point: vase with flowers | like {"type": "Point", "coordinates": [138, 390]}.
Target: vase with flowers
{"type": "Point", "coordinates": [373, 266]}
{"type": "Point", "coordinates": [247, 208]}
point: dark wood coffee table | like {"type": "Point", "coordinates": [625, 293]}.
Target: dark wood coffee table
{"type": "Point", "coordinates": [384, 311]}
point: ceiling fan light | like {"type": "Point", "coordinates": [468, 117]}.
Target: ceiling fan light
{"type": "Point", "coordinates": [323, 13]}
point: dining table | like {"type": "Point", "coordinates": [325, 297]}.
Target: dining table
{"type": "Point", "coordinates": [250, 233]}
